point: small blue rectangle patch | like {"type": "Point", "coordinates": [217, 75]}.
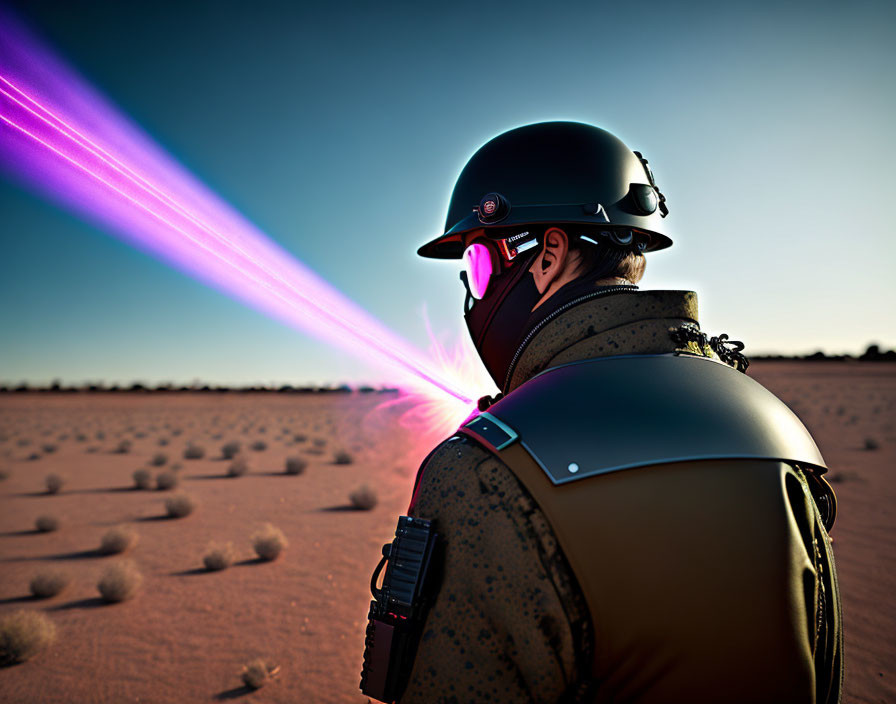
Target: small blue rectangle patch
{"type": "Point", "coordinates": [496, 433]}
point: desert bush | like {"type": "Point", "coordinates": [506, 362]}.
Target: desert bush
{"type": "Point", "coordinates": [238, 467]}
{"type": "Point", "coordinates": [231, 449]}
{"type": "Point", "coordinates": [259, 445]}
{"type": "Point", "coordinates": [176, 466]}
{"type": "Point", "coordinates": [23, 634]}
{"type": "Point", "coordinates": [4, 473]}
{"type": "Point", "coordinates": [166, 481]}
{"type": "Point", "coordinates": [269, 542]}
{"type": "Point", "coordinates": [120, 582]}
{"type": "Point", "coordinates": [299, 437]}
{"type": "Point", "coordinates": [34, 456]}
{"type": "Point", "coordinates": [319, 442]}
{"type": "Point", "coordinates": [193, 452]}
{"type": "Point", "coordinates": [871, 444]}
{"type": "Point", "coordinates": [180, 506]}
{"type": "Point", "coordinates": [123, 447]}
{"type": "Point", "coordinates": [258, 673]}
{"type": "Point", "coordinates": [54, 483]}
{"type": "Point", "coordinates": [363, 498]}
{"type": "Point", "coordinates": [176, 432]}
{"type": "Point", "coordinates": [46, 524]}
{"type": "Point", "coordinates": [295, 465]}
{"type": "Point", "coordinates": [117, 540]}
{"type": "Point", "coordinates": [48, 448]}
{"type": "Point", "coordinates": [80, 437]}
{"type": "Point", "coordinates": [142, 479]}
{"type": "Point", "coordinates": [159, 459]}
{"type": "Point", "coordinates": [48, 583]}
{"type": "Point", "coordinates": [163, 442]}
{"type": "Point", "coordinates": [342, 457]}
{"type": "Point", "coordinates": [219, 556]}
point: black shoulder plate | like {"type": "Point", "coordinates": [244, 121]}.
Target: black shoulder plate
{"type": "Point", "coordinates": [613, 413]}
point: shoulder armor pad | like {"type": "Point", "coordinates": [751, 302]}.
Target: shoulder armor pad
{"type": "Point", "coordinates": [613, 413]}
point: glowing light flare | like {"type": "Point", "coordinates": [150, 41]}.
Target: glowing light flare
{"type": "Point", "coordinates": [68, 143]}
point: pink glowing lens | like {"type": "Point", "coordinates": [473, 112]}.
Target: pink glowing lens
{"type": "Point", "coordinates": [480, 267]}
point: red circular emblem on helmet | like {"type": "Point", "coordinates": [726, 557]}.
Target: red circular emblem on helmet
{"type": "Point", "coordinates": [489, 207]}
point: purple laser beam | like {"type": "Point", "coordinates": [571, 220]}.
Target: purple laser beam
{"type": "Point", "coordinates": [205, 238]}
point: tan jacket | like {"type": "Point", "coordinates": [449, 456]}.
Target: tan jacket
{"type": "Point", "coordinates": [511, 623]}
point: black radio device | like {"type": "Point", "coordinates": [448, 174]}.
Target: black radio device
{"type": "Point", "coordinates": [399, 608]}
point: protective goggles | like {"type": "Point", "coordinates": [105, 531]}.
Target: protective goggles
{"type": "Point", "coordinates": [485, 259]}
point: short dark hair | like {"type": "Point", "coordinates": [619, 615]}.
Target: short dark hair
{"type": "Point", "coordinates": [604, 260]}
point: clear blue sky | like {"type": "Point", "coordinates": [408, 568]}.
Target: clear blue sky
{"type": "Point", "coordinates": [339, 129]}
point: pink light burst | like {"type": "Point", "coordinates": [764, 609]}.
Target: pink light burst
{"type": "Point", "coordinates": [63, 139]}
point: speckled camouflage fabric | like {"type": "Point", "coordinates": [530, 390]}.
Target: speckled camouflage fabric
{"type": "Point", "coordinates": [626, 322]}
{"type": "Point", "coordinates": [510, 623]}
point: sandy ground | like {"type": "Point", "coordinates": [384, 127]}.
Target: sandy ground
{"type": "Point", "coordinates": [185, 636]}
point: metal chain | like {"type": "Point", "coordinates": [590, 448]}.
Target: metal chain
{"type": "Point", "coordinates": [729, 351]}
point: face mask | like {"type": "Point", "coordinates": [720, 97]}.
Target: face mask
{"type": "Point", "coordinates": [497, 320]}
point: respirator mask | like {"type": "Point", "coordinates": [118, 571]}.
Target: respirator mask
{"type": "Point", "coordinates": [501, 293]}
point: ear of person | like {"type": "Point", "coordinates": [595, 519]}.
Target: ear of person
{"type": "Point", "coordinates": [550, 265]}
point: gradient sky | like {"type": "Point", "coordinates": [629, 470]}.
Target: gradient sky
{"type": "Point", "coordinates": [339, 128]}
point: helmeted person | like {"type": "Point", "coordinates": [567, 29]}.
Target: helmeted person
{"type": "Point", "coordinates": [632, 519]}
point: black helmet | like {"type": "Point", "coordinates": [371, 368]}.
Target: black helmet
{"type": "Point", "coordinates": [554, 173]}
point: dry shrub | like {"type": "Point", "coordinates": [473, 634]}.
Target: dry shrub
{"type": "Point", "coordinates": [180, 505]}
{"type": "Point", "coordinates": [319, 442]}
{"type": "Point", "coordinates": [166, 481]}
{"type": "Point", "coordinates": [258, 673]}
{"type": "Point", "coordinates": [48, 448]}
{"type": "Point", "coordinates": [363, 498]}
{"type": "Point", "coordinates": [46, 524]}
{"type": "Point", "coordinates": [163, 442]}
{"type": "Point", "coordinates": [298, 437]}
{"type": "Point", "coordinates": [23, 634]}
{"type": "Point", "coordinates": [219, 556]}
{"type": "Point", "coordinates": [54, 483]}
{"type": "Point", "coordinates": [231, 450]}
{"type": "Point", "coordinates": [117, 540]}
{"type": "Point", "coordinates": [295, 465]}
{"type": "Point", "coordinates": [34, 456]}
{"type": "Point", "coordinates": [269, 542]}
{"type": "Point", "coordinates": [871, 444]}
{"type": "Point", "coordinates": [4, 473]}
{"type": "Point", "coordinates": [238, 467]}
{"type": "Point", "coordinates": [342, 457]}
{"type": "Point", "coordinates": [123, 448]}
{"type": "Point", "coordinates": [120, 582]}
{"type": "Point", "coordinates": [259, 446]}
{"type": "Point", "coordinates": [193, 452]}
{"type": "Point", "coordinates": [48, 583]}
{"type": "Point", "coordinates": [159, 459]}
{"type": "Point", "coordinates": [142, 479]}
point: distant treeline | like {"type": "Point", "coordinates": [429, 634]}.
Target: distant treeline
{"type": "Point", "coordinates": [872, 354]}
{"type": "Point", "coordinates": [137, 387]}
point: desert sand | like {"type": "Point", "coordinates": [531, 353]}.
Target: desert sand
{"type": "Point", "coordinates": [187, 633]}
